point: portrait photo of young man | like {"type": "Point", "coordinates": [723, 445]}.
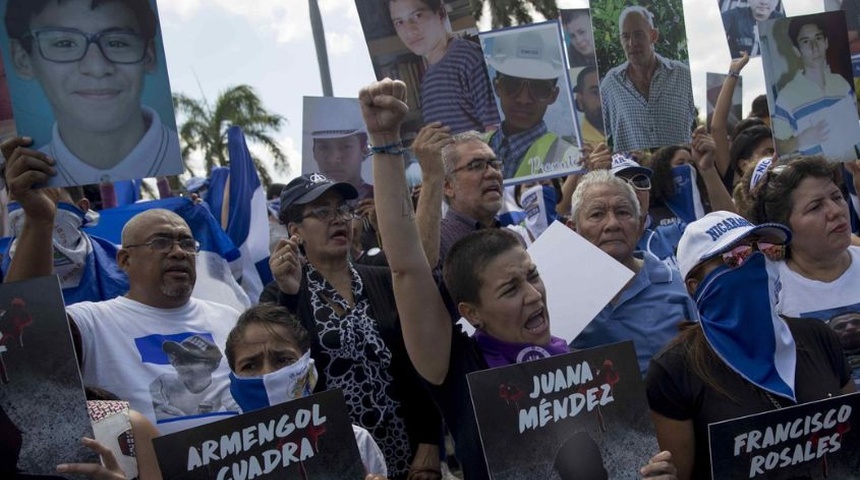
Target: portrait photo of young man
{"type": "Point", "coordinates": [79, 75]}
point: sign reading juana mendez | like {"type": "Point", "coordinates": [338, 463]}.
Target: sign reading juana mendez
{"type": "Point", "coordinates": [578, 415]}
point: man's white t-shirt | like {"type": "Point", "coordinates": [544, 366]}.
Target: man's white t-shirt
{"type": "Point", "coordinates": [126, 347]}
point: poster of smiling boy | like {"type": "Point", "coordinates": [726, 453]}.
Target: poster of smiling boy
{"type": "Point", "coordinates": [432, 46]}
{"type": "Point", "coordinates": [88, 81]}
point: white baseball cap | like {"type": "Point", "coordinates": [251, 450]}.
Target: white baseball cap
{"type": "Point", "coordinates": [718, 232]}
{"type": "Point", "coordinates": [331, 117]}
{"type": "Point", "coordinates": [623, 162]}
{"type": "Point", "coordinates": [532, 54]}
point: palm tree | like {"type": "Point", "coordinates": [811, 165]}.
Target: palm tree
{"type": "Point", "coordinates": [205, 128]}
{"type": "Point", "coordinates": [504, 13]}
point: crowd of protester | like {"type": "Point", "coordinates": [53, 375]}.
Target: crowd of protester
{"type": "Point", "coordinates": [729, 245]}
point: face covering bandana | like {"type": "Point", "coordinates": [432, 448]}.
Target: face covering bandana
{"type": "Point", "coordinates": [71, 247]}
{"type": "Point", "coordinates": [741, 326]}
{"type": "Point", "coordinates": [291, 382]}
{"type": "Point", "coordinates": [498, 353]}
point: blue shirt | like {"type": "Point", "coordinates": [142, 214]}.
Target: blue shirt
{"type": "Point", "coordinates": [664, 118]}
{"type": "Point", "coordinates": [647, 311]}
{"type": "Point", "coordinates": [662, 240]}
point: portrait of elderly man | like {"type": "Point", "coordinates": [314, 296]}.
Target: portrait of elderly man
{"type": "Point", "coordinates": [815, 112]}
{"type": "Point", "coordinates": [528, 79]}
{"type": "Point", "coordinates": [739, 21]}
{"type": "Point", "coordinates": [847, 328]}
{"type": "Point", "coordinates": [90, 58]}
{"type": "Point", "coordinates": [648, 99]}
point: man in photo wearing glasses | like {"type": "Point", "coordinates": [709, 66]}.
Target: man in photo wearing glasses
{"type": "Point", "coordinates": [90, 58]}
{"type": "Point", "coordinates": [528, 65]}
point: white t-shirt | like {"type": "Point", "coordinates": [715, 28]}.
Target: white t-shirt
{"type": "Point", "coordinates": [800, 297]}
{"type": "Point", "coordinates": [128, 348]}
{"type": "Point", "coordinates": [156, 154]}
{"type": "Point", "coordinates": [371, 455]}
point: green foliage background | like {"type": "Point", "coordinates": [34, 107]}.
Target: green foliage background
{"type": "Point", "coordinates": [668, 19]}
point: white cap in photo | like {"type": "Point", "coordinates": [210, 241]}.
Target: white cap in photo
{"type": "Point", "coordinates": [529, 53]}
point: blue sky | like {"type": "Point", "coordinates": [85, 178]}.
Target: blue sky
{"type": "Point", "coordinates": [214, 44]}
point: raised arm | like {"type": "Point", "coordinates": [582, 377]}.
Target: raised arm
{"type": "Point", "coordinates": [424, 319]}
{"type": "Point", "coordinates": [26, 168]}
{"type": "Point", "coordinates": [720, 119]}
{"type": "Point", "coordinates": [703, 154]}
{"type": "Point", "coordinates": [427, 147]}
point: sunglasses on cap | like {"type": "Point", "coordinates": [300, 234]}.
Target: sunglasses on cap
{"type": "Point", "coordinates": [540, 90]}
{"type": "Point", "coordinates": [640, 181]}
{"type": "Point", "coordinates": [739, 254]}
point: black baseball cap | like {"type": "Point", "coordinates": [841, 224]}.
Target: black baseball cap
{"type": "Point", "coordinates": [309, 187]}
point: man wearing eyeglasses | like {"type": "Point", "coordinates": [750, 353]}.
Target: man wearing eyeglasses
{"type": "Point", "coordinates": [90, 58]}
{"type": "Point", "coordinates": [648, 99]}
{"type": "Point", "coordinates": [527, 71]}
{"type": "Point", "coordinates": [124, 342]}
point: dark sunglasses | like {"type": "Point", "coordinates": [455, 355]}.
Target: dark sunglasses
{"type": "Point", "coordinates": [540, 90]}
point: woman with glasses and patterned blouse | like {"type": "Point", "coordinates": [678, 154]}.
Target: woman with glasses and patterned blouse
{"type": "Point", "coordinates": [741, 358]}
{"type": "Point", "coordinates": [820, 277]}
{"type": "Point", "coordinates": [349, 311]}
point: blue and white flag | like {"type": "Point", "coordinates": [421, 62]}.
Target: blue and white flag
{"type": "Point", "coordinates": [686, 203]}
{"type": "Point", "coordinates": [248, 216]}
{"type": "Point", "coordinates": [215, 281]}
{"type": "Point", "coordinates": [127, 191]}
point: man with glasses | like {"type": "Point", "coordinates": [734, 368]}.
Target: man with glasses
{"type": "Point", "coordinates": [90, 58]}
{"type": "Point", "coordinates": [125, 342]}
{"type": "Point", "coordinates": [648, 99]}
{"type": "Point", "coordinates": [528, 66]}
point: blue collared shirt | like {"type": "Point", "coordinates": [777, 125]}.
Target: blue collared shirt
{"type": "Point", "coordinates": [647, 311]}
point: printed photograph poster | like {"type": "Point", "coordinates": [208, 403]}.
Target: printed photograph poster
{"type": "Point", "coordinates": [90, 86]}
{"type": "Point", "coordinates": [584, 76]}
{"type": "Point", "coordinates": [815, 440]}
{"type": "Point", "coordinates": [714, 82]}
{"type": "Point", "coordinates": [433, 47]}
{"type": "Point", "coordinates": [810, 86]}
{"type": "Point", "coordinates": [334, 142]}
{"type": "Point", "coordinates": [527, 67]}
{"type": "Point", "coordinates": [578, 415]}
{"type": "Point", "coordinates": [310, 437]}
{"type": "Point", "coordinates": [7, 120]}
{"type": "Point", "coordinates": [740, 18]}
{"type": "Point", "coordinates": [39, 434]}
{"type": "Point", "coordinates": [633, 34]}
{"type": "Point", "coordinates": [852, 20]}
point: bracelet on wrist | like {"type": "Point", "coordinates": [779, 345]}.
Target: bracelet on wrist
{"type": "Point", "coordinates": [734, 74]}
{"type": "Point", "coordinates": [395, 148]}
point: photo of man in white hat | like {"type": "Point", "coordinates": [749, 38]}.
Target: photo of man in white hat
{"type": "Point", "coordinates": [527, 69]}
{"type": "Point", "coordinates": [335, 141]}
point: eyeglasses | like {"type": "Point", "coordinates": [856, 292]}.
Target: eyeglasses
{"type": "Point", "coordinates": [328, 214]}
{"type": "Point", "coordinates": [165, 244]}
{"type": "Point", "coordinates": [640, 181]}
{"type": "Point", "coordinates": [480, 165]}
{"type": "Point", "coordinates": [540, 90]}
{"type": "Point", "coordinates": [738, 255]}
{"type": "Point", "coordinates": [66, 45]}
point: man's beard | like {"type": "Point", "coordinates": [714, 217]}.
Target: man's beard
{"type": "Point", "coordinates": [177, 290]}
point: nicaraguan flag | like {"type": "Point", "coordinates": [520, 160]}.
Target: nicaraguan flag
{"type": "Point", "coordinates": [248, 217]}
{"type": "Point", "coordinates": [215, 281]}
{"type": "Point", "coordinates": [686, 203]}
{"type": "Point", "coordinates": [127, 191]}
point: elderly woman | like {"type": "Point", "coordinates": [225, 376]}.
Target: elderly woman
{"type": "Point", "coordinates": [742, 358]}
{"type": "Point", "coordinates": [605, 211]}
{"type": "Point", "coordinates": [489, 275]}
{"type": "Point", "coordinates": [350, 313]}
{"type": "Point", "coordinates": [820, 276]}
{"type": "Point", "coordinates": [269, 344]}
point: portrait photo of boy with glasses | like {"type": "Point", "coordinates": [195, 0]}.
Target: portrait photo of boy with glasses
{"type": "Point", "coordinates": [89, 85]}
{"type": "Point", "coordinates": [539, 135]}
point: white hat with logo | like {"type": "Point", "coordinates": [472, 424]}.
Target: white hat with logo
{"type": "Point", "coordinates": [531, 53]}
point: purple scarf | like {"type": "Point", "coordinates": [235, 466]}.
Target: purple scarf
{"type": "Point", "coordinates": [498, 353]}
